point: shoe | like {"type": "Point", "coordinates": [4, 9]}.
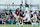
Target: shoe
{"type": "Point", "coordinates": [22, 24]}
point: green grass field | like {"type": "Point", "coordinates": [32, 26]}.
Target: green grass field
{"type": "Point", "coordinates": [18, 25]}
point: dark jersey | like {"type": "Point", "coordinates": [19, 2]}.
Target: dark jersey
{"type": "Point", "coordinates": [22, 14]}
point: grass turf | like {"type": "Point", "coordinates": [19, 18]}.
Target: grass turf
{"type": "Point", "coordinates": [8, 25]}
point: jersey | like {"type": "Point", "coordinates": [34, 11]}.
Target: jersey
{"type": "Point", "coordinates": [27, 17]}
{"type": "Point", "coordinates": [17, 12]}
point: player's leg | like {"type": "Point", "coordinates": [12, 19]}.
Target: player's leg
{"type": "Point", "coordinates": [3, 22]}
{"type": "Point", "coordinates": [22, 21]}
{"type": "Point", "coordinates": [30, 21]}
{"type": "Point", "coordinates": [34, 23]}
{"type": "Point", "coordinates": [19, 21]}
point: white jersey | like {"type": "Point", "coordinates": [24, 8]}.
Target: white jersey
{"type": "Point", "coordinates": [27, 16]}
